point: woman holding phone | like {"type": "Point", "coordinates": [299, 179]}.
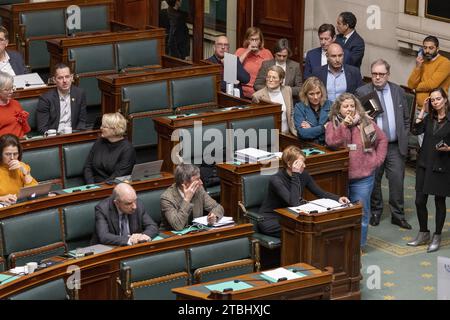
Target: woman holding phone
{"type": "Point", "coordinates": [433, 166]}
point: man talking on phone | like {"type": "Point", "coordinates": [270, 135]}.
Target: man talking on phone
{"type": "Point", "coordinates": [186, 200]}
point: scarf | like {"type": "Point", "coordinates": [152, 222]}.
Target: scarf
{"type": "Point", "coordinates": [366, 129]}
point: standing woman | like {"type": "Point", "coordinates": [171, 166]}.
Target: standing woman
{"type": "Point", "coordinates": [350, 127]}
{"type": "Point", "coordinates": [13, 119]}
{"type": "Point", "coordinates": [276, 92]}
{"type": "Point", "coordinates": [14, 174]}
{"type": "Point", "coordinates": [112, 155]}
{"type": "Point", "coordinates": [252, 55]}
{"type": "Point", "coordinates": [311, 113]}
{"type": "Point", "coordinates": [433, 166]}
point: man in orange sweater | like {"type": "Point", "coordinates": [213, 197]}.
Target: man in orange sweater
{"type": "Point", "coordinates": [432, 71]}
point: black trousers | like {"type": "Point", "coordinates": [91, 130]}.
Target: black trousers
{"type": "Point", "coordinates": [422, 211]}
{"type": "Point", "coordinates": [270, 227]}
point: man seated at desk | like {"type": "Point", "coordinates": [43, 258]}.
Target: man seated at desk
{"type": "Point", "coordinates": [11, 61]}
{"type": "Point", "coordinates": [186, 200]}
{"type": "Point", "coordinates": [121, 219]}
{"type": "Point", "coordinates": [62, 108]}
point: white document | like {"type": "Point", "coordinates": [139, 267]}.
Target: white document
{"type": "Point", "coordinates": [230, 68]}
{"type": "Point", "coordinates": [222, 222]}
{"type": "Point", "coordinates": [253, 154]}
{"type": "Point", "coordinates": [327, 203]}
{"type": "Point", "coordinates": [28, 81]}
{"type": "Point", "coordinates": [281, 273]}
{"type": "Point", "coordinates": [318, 206]}
{"type": "Point", "coordinates": [308, 208]}
{"type": "Point", "coordinates": [19, 270]}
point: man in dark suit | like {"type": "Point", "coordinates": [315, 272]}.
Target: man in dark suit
{"type": "Point", "coordinates": [394, 121]}
{"type": "Point", "coordinates": [318, 57]}
{"type": "Point", "coordinates": [122, 220]}
{"type": "Point", "coordinates": [350, 39]}
{"type": "Point", "coordinates": [221, 46]}
{"type": "Point", "coordinates": [62, 108]}
{"type": "Point", "coordinates": [11, 61]}
{"type": "Point", "coordinates": [337, 76]}
{"type": "Point", "coordinates": [293, 75]}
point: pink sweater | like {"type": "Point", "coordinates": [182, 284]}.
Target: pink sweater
{"type": "Point", "coordinates": [362, 164]}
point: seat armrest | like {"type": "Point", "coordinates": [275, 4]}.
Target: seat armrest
{"type": "Point", "coordinates": [254, 216]}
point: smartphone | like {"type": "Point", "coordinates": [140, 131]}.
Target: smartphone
{"type": "Point", "coordinates": [441, 144]}
{"type": "Point", "coordinates": [420, 53]}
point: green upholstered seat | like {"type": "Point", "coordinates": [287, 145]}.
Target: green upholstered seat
{"type": "Point", "coordinates": [30, 106]}
{"type": "Point", "coordinates": [93, 19]}
{"type": "Point", "coordinates": [192, 91]}
{"type": "Point", "coordinates": [93, 93]}
{"type": "Point", "coordinates": [142, 53]}
{"type": "Point", "coordinates": [254, 191]}
{"type": "Point", "coordinates": [74, 157]}
{"type": "Point", "coordinates": [146, 97]}
{"type": "Point", "coordinates": [253, 133]}
{"type": "Point", "coordinates": [44, 163]}
{"type": "Point", "coordinates": [53, 290]}
{"type": "Point", "coordinates": [143, 133]}
{"type": "Point", "coordinates": [157, 274]}
{"type": "Point", "coordinates": [152, 204]}
{"type": "Point", "coordinates": [79, 224]}
{"type": "Point", "coordinates": [31, 237]}
{"type": "Point", "coordinates": [221, 260]}
{"type": "Point", "coordinates": [93, 58]}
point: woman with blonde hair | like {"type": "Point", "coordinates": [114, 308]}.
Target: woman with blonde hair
{"type": "Point", "coordinates": [286, 189]}
{"type": "Point", "coordinates": [311, 113]}
{"type": "Point", "coordinates": [350, 127]}
{"type": "Point", "coordinates": [252, 55]}
{"type": "Point", "coordinates": [112, 155]}
{"type": "Point", "coordinates": [276, 92]}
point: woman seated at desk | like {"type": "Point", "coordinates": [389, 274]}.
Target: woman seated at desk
{"type": "Point", "coordinates": [286, 189]}
{"type": "Point", "coordinates": [311, 113]}
{"type": "Point", "coordinates": [14, 174]}
{"type": "Point", "coordinates": [112, 155]}
{"type": "Point", "coordinates": [276, 92]}
{"type": "Point", "coordinates": [13, 119]}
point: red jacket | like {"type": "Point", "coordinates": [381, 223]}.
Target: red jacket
{"type": "Point", "coordinates": [13, 119]}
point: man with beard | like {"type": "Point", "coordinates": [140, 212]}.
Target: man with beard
{"type": "Point", "coordinates": [432, 71]}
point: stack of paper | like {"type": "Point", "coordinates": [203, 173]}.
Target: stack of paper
{"type": "Point", "coordinates": [253, 155]}
{"type": "Point", "coordinates": [318, 206]}
{"type": "Point", "coordinates": [280, 273]}
{"type": "Point", "coordinates": [225, 221]}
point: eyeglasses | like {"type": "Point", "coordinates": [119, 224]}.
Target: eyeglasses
{"type": "Point", "coordinates": [378, 74]}
{"type": "Point", "coordinates": [272, 78]}
{"type": "Point", "coordinates": [222, 45]}
{"type": "Point", "coordinates": [3, 40]}
{"type": "Point", "coordinates": [11, 154]}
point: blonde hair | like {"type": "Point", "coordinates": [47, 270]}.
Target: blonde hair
{"type": "Point", "coordinates": [290, 154]}
{"type": "Point", "coordinates": [115, 121]}
{"type": "Point", "coordinates": [310, 84]}
{"type": "Point", "coordinates": [251, 32]}
{"type": "Point", "coordinates": [6, 80]}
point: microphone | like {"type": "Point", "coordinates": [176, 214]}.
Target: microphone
{"type": "Point", "coordinates": [27, 84]}
{"type": "Point", "coordinates": [343, 205]}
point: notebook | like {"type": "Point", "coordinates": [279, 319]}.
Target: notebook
{"type": "Point", "coordinates": [143, 171]}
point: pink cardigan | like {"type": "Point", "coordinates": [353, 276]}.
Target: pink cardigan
{"type": "Point", "coordinates": [362, 164]}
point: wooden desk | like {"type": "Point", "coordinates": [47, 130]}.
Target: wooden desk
{"type": "Point", "coordinates": [168, 129]}
{"type": "Point", "coordinates": [329, 170]}
{"type": "Point", "coordinates": [60, 140]}
{"type": "Point", "coordinates": [326, 239]}
{"type": "Point", "coordinates": [316, 285]}
{"type": "Point", "coordinates": [99, 272]}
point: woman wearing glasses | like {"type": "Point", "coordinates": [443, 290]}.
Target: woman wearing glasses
{"type": "Point", "coordinates": [14, 174]}
{"type": "Point", "coordinates": [276, 92]}
{"type": "Point", "coordinates": [13, 119]}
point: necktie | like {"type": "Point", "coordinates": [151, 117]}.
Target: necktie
{"type": "Point", "coordinates": [384, 116]}
{"type": "Point", "coordinates": [124, 230]}
{"type": "Point", "coordinates": [344, 39]}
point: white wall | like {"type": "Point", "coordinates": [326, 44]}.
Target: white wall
{"type": "Point", "coordinates": [383, 43]}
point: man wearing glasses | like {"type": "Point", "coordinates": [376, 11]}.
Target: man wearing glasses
{"type": "Point", "coordinates": [11, 62]}
{"type": "Point", "coordinates": [221, 46]}
{"type": "Point", "coordinates": [394, 121]}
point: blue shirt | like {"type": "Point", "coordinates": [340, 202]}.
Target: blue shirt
{"type": "Point", "coordinates": [390, 113]}
{"type": "Point", "coordinates": [336, 84]}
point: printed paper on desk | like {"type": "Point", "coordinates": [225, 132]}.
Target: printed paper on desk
{"type": "Point", "coordinates": [222, 222]}
{"type": "Point", "coordinates": [28, 81]}
{"type": "Point", "coordinates": [308, 208]}
{"type": "Point", "coordinates": [281, 273]}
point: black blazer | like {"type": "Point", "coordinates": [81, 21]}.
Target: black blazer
{"type": "Point", "coordinates": [352, 76]}
{"type": "Point", "coordinates": [107, 230]}
{"type": "Point", "coordinates": [48, 110]}
{"type": "Point", "coordinates": [355, 44]}
{"type": "Point", "coordinates": [16, 62]}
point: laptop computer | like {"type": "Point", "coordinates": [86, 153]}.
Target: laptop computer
{"type": "Point", "coordinates": [143, 171]}
{"type": "Point", "coordinates": [28, 193]}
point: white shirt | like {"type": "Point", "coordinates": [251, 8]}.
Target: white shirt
{"type": "Point", "coordinates": [324, 60]}
{"type": "Point", "coordinates": [277, 97]}
{"type": "Point", "coordinates": [283, 66]}
{"type": "Point", "coordinates": [65, 112]}
{"type": "Point", "coordinates": [5, 66]}
{"type": "Point", "coordinates": [348, 36]}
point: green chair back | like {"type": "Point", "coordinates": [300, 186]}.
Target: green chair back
{"type": "Point", "coordinates": [79, 224]}
{"type": "Point", "coordinates": [74, 157]}
{"type": "Point", "coordinates": [44, 163]}
{"type": "Point", "coordinates": [53, 290]}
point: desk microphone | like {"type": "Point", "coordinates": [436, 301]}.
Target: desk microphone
{"type": "Point", "coordinates": [343, 205]}
{"type": "Point", "coordinates": [32, 84]}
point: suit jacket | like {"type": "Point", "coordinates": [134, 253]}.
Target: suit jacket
{"type": "Point", "coordinates": [177, 213]}
{"type": "Point", "coordinates": [355, 44]}
{"type": "Point", "coordinates": [107, 230]}
{"type": "Point", "coordinates": [314, 60]}
{"type": "Point", "coordinates": [242, 74]}
{"type": "Point", "coordinates": [352, 76]}
{"type": "Point", "coordinates": [263, 95]}
{"type": "Point", "coordinates": [48, 110]}
{"type": "Point", "coordinates": [401, 112]}
{"type": "Point", "coordinates": [293, 77]}
{"type": "Point", "coordinates": [16, 62]}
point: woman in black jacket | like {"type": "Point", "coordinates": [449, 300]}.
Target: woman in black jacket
{"type": "Point", "coordinates": [433, 166]}
{"type": "Point", "coordinates": [286, 189]}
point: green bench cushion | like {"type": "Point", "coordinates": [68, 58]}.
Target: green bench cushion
{"type": "Point", "coordinates": [192, 91]}
{"type": "Point", "coordinates": [137, 53]}
{"type": "Point", "coordinates": [79, 224]}
{"type": "Point", "coordinates": [44, 163]}
{"type": "Point", "coordinates": [53, 290]}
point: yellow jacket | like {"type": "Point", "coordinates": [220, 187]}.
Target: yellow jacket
{"type": "Point", "coordinates": [12, 180]}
